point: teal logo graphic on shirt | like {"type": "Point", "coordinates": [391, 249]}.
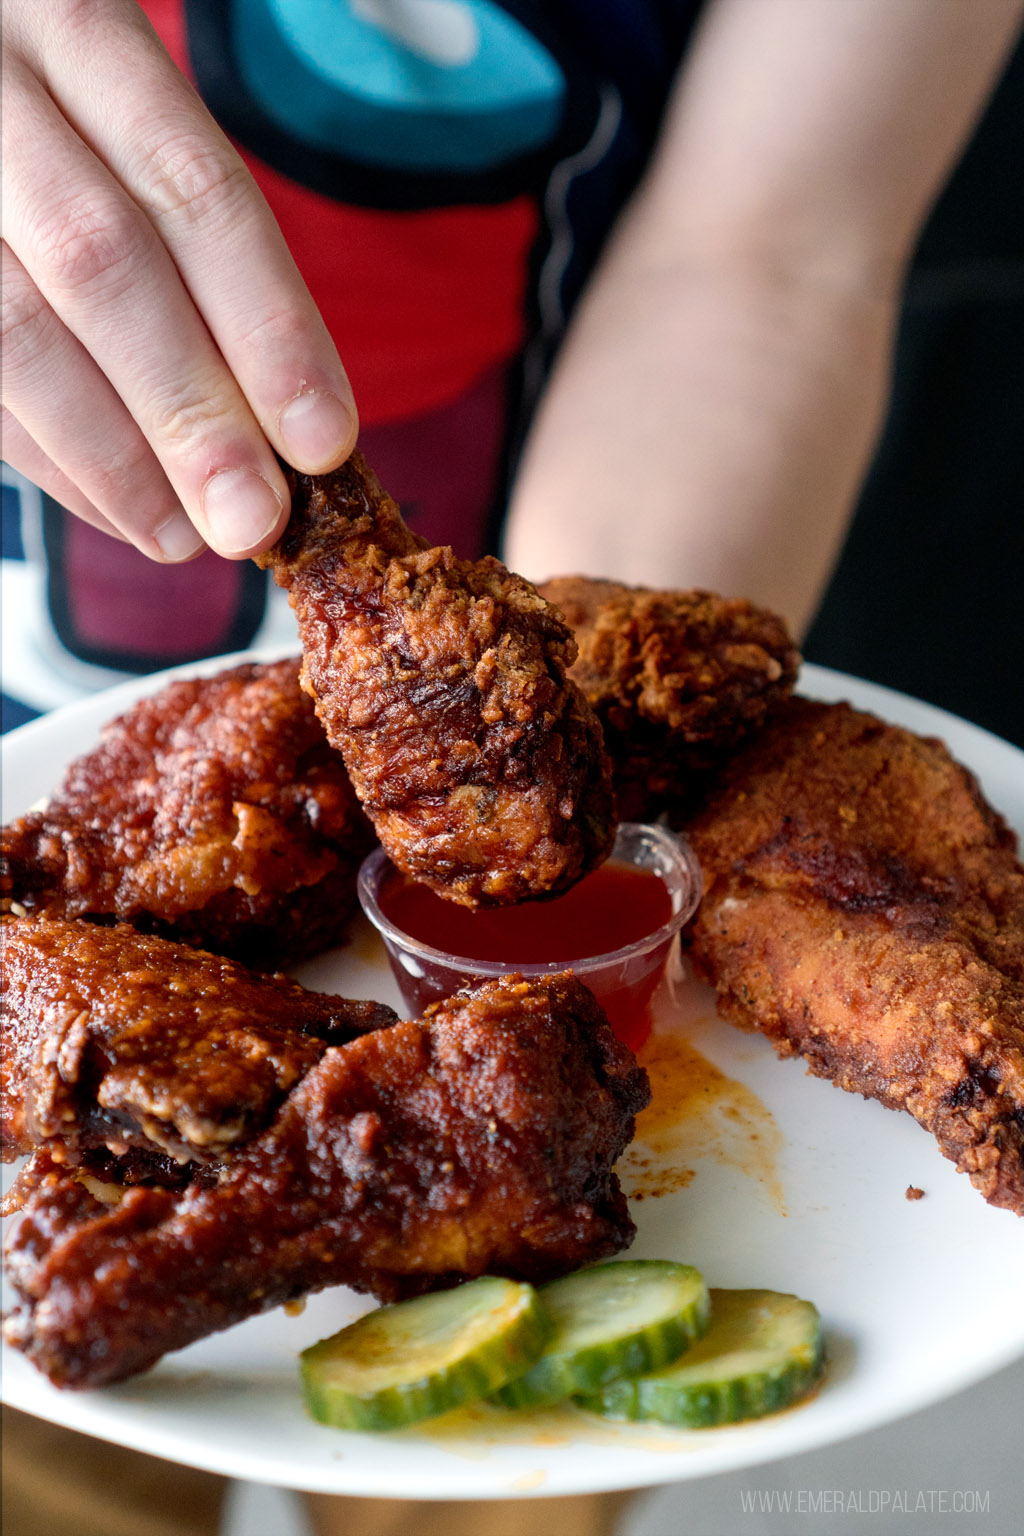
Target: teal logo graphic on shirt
{"type": "Point", "coordinates": [418, 85]}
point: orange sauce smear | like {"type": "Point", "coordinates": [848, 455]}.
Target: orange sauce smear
{"type": "Point", "coordinates": [697, 1112]}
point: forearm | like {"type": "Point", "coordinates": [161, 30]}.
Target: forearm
{"type": "Point", "coordinates": [705, 428]}
{"type": "Point", "coordinates": [717, 401]}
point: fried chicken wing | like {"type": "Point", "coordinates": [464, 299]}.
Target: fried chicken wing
{"type": "Point", "coordinates": [443, 684]}
{"type": "Point", "coordinates": [116, 1042]}
{"type": "Point", "coordinates": [864, 909]}
{"type": "Point", "coordinates": [677, 679]}
{"type": "Point", "coordinates": [214, 811]}
{"type": "Point", "coordinates": [479, 1139]}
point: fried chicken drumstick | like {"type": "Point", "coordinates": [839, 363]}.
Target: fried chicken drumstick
{"type": "Point", "coordinates": [864, 909]}
{"type": "Point", "coordinates": [479, 1139]}
{"type": "Point", "coordinates": [443, 684]}
{"type": "Point", "coordinates": [677, 679]}
{"type": "Point", "coordinates": [214, 811]}
{"type": "Point", "coordinates": [117, 1042]}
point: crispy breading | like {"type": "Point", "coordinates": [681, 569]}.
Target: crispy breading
{"type": "Point", "coordinates": [443, 684]}
{"type": "Point", "coordinates": [214, 811]}
{"type": "Point", "coordinates": [480, 1139]}
{"type": "Point", "coordinates": [864, 908]}
{"type": "Point", "coordinates": [116, 1041]}
{"type": "Point", "coordinates": [677, 679]}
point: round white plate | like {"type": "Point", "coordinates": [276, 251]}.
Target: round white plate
{"type": "Point", "coordinates": [794, 1185]}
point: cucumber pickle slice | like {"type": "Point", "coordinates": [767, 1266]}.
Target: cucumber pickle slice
{"type": "Point", "coordinates": [762, 1351]}
{"type": "Point", "coordinates": [609, 1321]}
{"type": "Point", "coordinates": [419, 1358]}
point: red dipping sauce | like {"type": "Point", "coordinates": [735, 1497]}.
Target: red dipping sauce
{"type": "Point", "coordinates": [614, 929]}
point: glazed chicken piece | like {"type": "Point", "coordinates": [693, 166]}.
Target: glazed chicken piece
{"type": "Point", "coordinates": [214, 812]}
{"type": "Point", "coordinates": [477, 1140]}
{"type": "Point", "coordinates": [118, 1043]}
{"type": "Point", "coordinates": [864, 909]}
{"type": "Point", "coordinates": [443, 684]}
{"type": "Point", "coordinates": [678, 680]}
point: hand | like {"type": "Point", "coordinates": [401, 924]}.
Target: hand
{"type": "Point", "coordinates": [159, 343]}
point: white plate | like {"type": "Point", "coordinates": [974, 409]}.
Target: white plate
{"type": "Point", "coordinates": [795, 1186]}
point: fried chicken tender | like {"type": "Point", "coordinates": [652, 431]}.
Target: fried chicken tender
{"type": "Point", "coordinates": [117, 1042]}
{"type": "Point", "coordinates": [443, 684]}
{"type": "Point", "coordinates": [214, 811]}
{"type": "Point", "coordinates": [677, 679]}
{"type": "Point", "coordinates": [864, 909]}
{"type": "Point", "coordinates": [477, 1140]}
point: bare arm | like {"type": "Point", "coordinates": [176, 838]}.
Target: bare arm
{"type": "Point", "coordinates": [716, 403]}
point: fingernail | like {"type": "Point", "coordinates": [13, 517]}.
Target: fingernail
{"type": "Point", "coordinates": [177, 538]}
{"type": "Point", "coordinates": [241, 509]}
{"type": "Point", "coordinates": [316, 429]}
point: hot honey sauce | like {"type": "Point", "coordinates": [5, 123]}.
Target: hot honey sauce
{"type": "Point", "coordinates": [616, 906]}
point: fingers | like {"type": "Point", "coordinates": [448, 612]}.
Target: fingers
{"type": "Point", "coordinates": [145, 238]}
{"type": "Point", "coordinates": [98, 263]}
{"type": "Point", "coordinates": [90, 454]}
{"type": "Point", "coordinates": [211, 217]}
{"type": "Point", "coordinates": [23, 453]}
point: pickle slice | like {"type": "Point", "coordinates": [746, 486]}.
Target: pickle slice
{"type": "Point", "coordinates": [762, 1351]}
{"type": "Point", "coordinates": [609, 1321]}
{"type": "Point", "coordinates": [419, 1358]}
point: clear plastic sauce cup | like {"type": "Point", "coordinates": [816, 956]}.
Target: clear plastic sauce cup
{"type": "Point", "coordinates": [614, 929]}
